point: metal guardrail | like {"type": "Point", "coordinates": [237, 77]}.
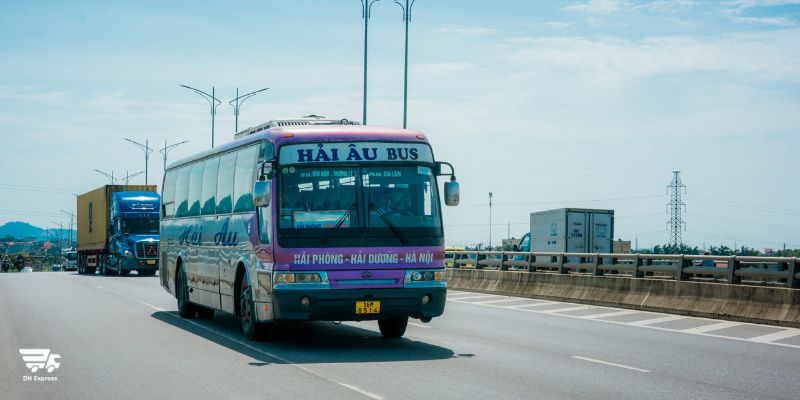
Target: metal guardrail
{"type": "Point", "coordinates": [731, 269]}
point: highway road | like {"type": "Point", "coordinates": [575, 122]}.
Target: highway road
{"type": "Point", "coordinates": [121, 338]}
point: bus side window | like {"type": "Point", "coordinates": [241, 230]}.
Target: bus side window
{"type": "Point", "coordinates": [244, 178]}
{"type": "Point", "coordinates": [168, 194]}
{"type": "Point", "coordinates": [227, 167]}
{"type": "Point", "coordinates": [195, 188]}
{"type": "Point", "coordinates": [207, 197]}
{"type": "Point", "coordinates": [182, 192]}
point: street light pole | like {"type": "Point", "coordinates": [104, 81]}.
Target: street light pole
{"type": "Point", "coordinates": [239, 100]}
{"type": "Point", "coordinates": [167, 148]}
{"type": "Point", "coordinates": [147, 151]}
{"type": "Point", "coordinates": [211, 102]}
{"type": "Point", "coordinates": [406, 19]}
{"type": "Point", "coordinates": [128, 176]}
{"type": "Point", "coordinates": [113, 180]}
{"type": "Point", "coordinates": [366, 8]}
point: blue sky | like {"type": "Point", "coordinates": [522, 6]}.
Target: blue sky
{"type": "Point", "coordinates": [547, 104]}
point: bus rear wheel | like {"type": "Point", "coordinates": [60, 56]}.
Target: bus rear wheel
{"type": "Point", "coordinates": [185, 308]}
{"type": "Point", "coordinates": [393, 328]}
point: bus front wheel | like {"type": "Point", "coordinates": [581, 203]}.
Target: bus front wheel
{"type": "Point", "coordinates": [393, 328]}
{"type": "Point", "coordinates": [252, 329]}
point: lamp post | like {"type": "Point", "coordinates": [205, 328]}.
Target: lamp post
{"type": "Point", "coordinates": [167, 148]}
{"type": "Point", "coordinates": [406, 19]}
{"type": "Point", "coordinates": [238, 103]}
{"type": "Point", "coordinates": [366, 8]}
{"type": "Point", "coordinates": [147, 151]}
{"type": "Point", "coordinates": [211, 102]}
{"type": "Point", "coordinates": [113, 180]}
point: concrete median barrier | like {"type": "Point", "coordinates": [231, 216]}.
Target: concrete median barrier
{"type": "Point", "coordinates": [756, 304]}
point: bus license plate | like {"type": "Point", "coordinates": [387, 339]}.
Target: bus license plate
{"type": "Point", "coordinates": [151, 262]}
{"type": "Point", "coordinates": [368, 307]}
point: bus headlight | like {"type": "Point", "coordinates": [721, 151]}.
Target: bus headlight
{"type": "Point", "coordinates": [424, 276]}
{"type": "Point", "coordinates": [128, 254]}
{"type": "Point", "coordinates": [296, 277]}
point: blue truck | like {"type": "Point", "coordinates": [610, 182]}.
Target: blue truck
{"type": "Point", "coordinates": [118, 230]}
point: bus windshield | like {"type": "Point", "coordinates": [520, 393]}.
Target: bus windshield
{"type": "Point", "coordinates": [140, 226]}
{"type": "Point", "coordinates": [358, 206]}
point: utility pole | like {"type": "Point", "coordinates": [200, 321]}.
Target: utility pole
{"type": "Point", "coordinates": [238, 104]}
{"type": "Point", "coordinates": [676, 209]}
{"type": "Point", "coordinates": [147, 151]}
{"type": "Point", "coordinates": [71, 218]}
{"type": "Point", "coordinates": [166, 150]}
{"type": "Point", "coordinates": [366, 9]}
{"type": "Point", "coordinates": [490, 220]}
{"type": "Point", "coordinates": [60, 231]}
{"type": "Point", "coordinates": [406, 19]}
{"type": "Point", "coordinates": [212, 101]}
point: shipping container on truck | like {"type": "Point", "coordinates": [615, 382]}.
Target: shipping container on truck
{"type": "Point", "coordinates": [572, 230]}
{"type": "Point", "coordinates": [94, 223]}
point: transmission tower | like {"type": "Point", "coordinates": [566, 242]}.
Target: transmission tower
{"type": "Point", "coordinates": [676, 209]}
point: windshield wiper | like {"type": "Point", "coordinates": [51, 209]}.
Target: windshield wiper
{"type": "Point", "coordinates": [388, 222]}
{"type": "Point", "coordinates": [340, 221]}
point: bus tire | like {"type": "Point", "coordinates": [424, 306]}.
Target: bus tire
{"type": "Point", "coordinates": [252, 329]}
{"type": "Point", "coordinates": [185, 307]}
{"type": "Point", "coordinates": [393, 328]}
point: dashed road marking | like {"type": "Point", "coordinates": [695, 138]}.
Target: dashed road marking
{"type": "Point", "coordinates": [775, 336]}
{"type": "Point", "coordinates": [713, 327]}
{"type": "Point", "coordinates": [658, 320]}
{"type": "Point", "coordinates": [596, 361]}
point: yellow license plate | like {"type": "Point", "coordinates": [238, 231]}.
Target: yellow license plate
{"type": "Point", "coordinates": [151, 262]}
{"type": "Point", "coordinates": [368, 307]}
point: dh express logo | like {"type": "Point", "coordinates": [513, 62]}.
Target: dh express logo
{"type": "Point", "coordinates": [193, 235]}
{"type": "Point", "coordinates": [36, 359]}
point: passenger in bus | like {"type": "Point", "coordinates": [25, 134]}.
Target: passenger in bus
{"type": "Point", "coordinates": [403, 206]}
{"type": "Point", "coordinates": [383, 200]}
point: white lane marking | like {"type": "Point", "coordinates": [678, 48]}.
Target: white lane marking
{"type": "Point", "coordinates": [651, 321]}
{"type": "Point", "coordinates": [713, 327]}
{"type": "Point", "coordinates": [610, 314]}
{"type": "Point", "coordinates": [625, 311]}
{"type": "Point", "coordinates": [499, 301]}
{"type": "Point", "coordinates": [520, 306]}
{"type": "Point", "coordinates": [483, 296]}
{"type": "Point", "coordinates": [256, 349]}
{"type": "Point", "coordinates": [560, 310]}
{"type": "Point", "coordinates": [774, 336]}
{"type": "Point", "coordinates": [611, 364]}
{"type": "Point", "coordinates": [99, 287]}
{"type": "Point", "coordinates": [419, 325]}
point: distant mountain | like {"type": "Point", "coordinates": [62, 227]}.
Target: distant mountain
{"type": "Point", "coordinates": [21, 230]}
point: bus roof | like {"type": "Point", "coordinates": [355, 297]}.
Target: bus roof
{"type": "Point", "coordinates": [313, 133]}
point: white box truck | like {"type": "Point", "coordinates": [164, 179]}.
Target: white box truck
{"type": "Point", "coordinates": [572, 230]}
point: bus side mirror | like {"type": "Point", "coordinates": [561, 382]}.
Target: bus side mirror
{"type": "Point", "coordinates": [262, 193]}
{"type": "Point", "coordinates": [451, 193]}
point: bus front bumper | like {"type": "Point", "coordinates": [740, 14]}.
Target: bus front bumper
{"type": "Point", "coordinates": [340, 304]}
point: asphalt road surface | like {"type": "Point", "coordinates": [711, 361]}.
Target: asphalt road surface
{"type": "Point", "coordinates": [120, 338]}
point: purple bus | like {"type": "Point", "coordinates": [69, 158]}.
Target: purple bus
{"type": "Point", "coordinates": [322, 220]}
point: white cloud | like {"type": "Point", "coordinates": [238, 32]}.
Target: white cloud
{"type": "Point", "coordinates": [470, 32]}
{"type": "Point", "coordinates": [774, 21]}
{"type": "Point", "coordinates": [442, 67]}
{"type": "Point", "coordinates": [598, 6]}
{"type": "Point", "coordinates": [763, 55]}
